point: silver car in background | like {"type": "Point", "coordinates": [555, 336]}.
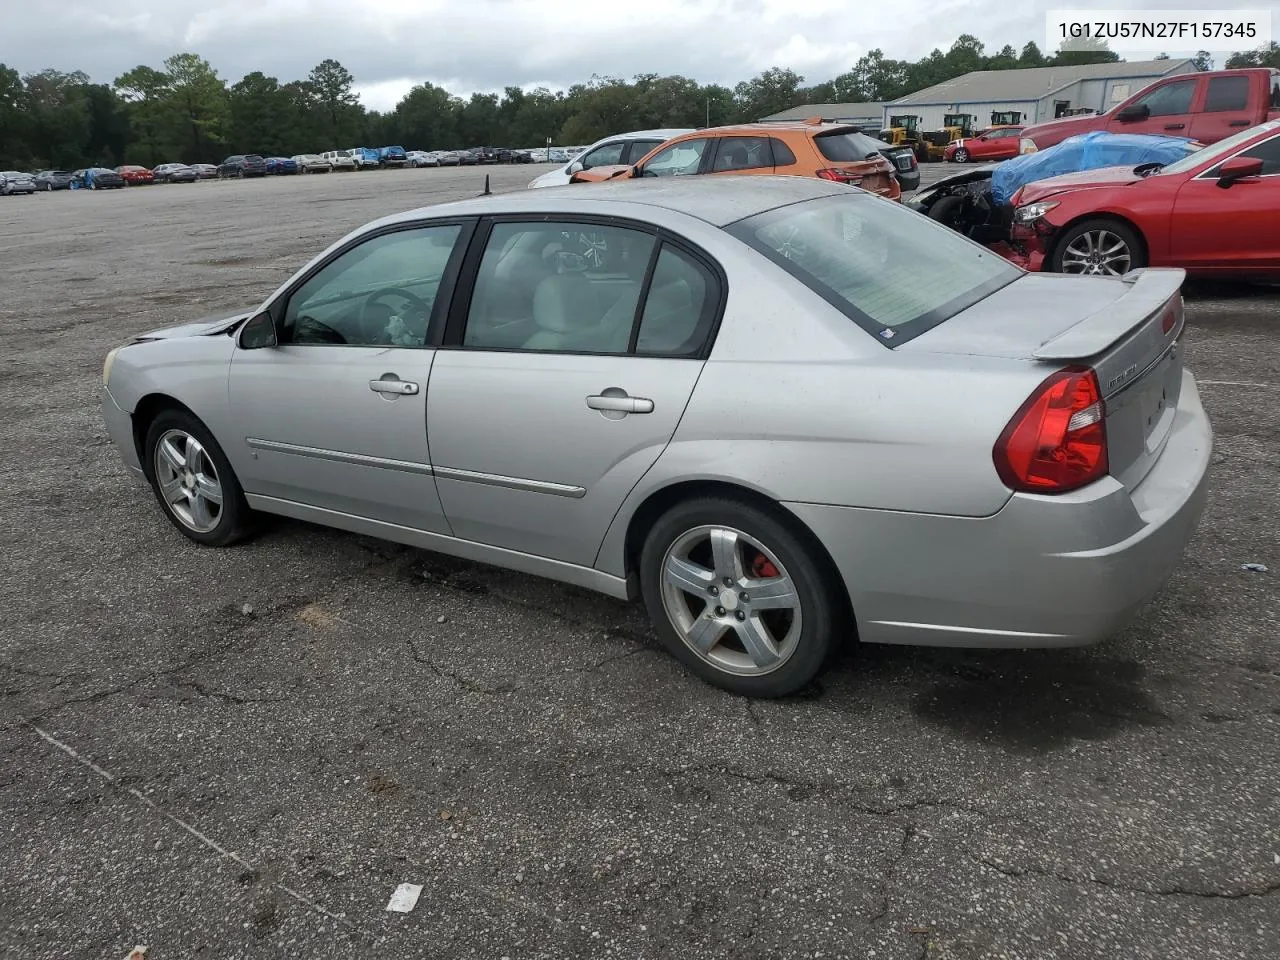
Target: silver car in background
{"type": "Point", "coordinates": [311, 163]}
{"type": "Point", "coordinates": [739, 410]}
{"type": "Point", "coordinates": [14, 181]}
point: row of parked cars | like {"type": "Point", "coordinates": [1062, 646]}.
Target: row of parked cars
{"type": "Point", "coordinates": [1095, 202]}
{"type": "Point", "coordinates": [241, 166]}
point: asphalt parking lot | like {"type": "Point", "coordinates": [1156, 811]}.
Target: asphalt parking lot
{"type": "Point", "coordinates": [241, 753]}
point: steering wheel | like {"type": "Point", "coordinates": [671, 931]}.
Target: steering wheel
{"type": "Point", "coordinates": [376, 331]}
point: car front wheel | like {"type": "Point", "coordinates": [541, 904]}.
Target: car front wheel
{"type": "Point", "coordinates": [193, 481]}
{"type": "Point", "coordinates": [961, 156]}
{"type": "Point", "coordinates": [739, 597]}
{"type": "Point", "coordinates": [1098, 248]}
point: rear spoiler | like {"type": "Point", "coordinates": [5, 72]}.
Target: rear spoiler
{"type": "Point", "coordinates": [1150, 288]}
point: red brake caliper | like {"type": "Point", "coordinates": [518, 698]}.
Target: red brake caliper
{"type": "Point", "coordinates": [762, 567]}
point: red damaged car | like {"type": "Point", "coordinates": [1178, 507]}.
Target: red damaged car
{"type": "Point", "coordinates": [136, 176]}
{"type": "Point", "coordinates": [1215, 213]}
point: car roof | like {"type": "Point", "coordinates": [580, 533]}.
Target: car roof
{"type": "Point", "coordinates": [718, 200]}
{"type": "Point", "coordinates": [775, 126]}
{"type": "Point", "coordinates": [665, 134]}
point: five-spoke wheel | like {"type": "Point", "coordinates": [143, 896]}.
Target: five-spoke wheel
{"type": "Point", "coordinates": [740, 595]}
{"type": "Point", "coordinates": [193, 481]}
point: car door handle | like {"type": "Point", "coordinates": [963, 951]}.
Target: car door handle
{"type": "Point", "coordinates": [622, 404]}
{"type": "Point", "coordinates": [1239, 123]}
{"type": "Point", "coordinates": [399, 388]}
{"type": "Point", "coordinates": [1174, 126]}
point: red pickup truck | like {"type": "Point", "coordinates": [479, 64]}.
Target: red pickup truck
{"type": "Point", "coordinates": [1207, 107]}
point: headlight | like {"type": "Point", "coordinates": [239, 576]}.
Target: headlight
{"type": "Point", "coordinates": [1027, 145]}
{"type": "Point", "coordinates": [106, 366]}
{"type": "Point", "coordinates": [1033, 211]}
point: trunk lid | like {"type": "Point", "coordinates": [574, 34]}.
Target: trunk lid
{"type": "Point", "coordinates": [1126, 329]}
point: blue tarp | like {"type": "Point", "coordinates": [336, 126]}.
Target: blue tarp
{"type": "Point", "coordinates": [1088, 151]}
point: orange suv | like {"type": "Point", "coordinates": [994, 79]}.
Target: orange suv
{"type": "Point", "coordinates": [811, 148]}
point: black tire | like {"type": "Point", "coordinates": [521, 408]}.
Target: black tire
{"type": "Point", "coordinates": [1132, 240]}
{"type": "Point", "coordinates": [820, 594]}
{"type": "Point", "coordinates": [235, 520]}
{"type": "Point", "coordinates": [946, 211]}
{"type": "Point", "coordinates": [961, 155]}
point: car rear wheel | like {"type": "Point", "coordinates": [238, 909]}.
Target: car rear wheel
{"type": "Point", "coordinates": [193, 481]}
{"type": "Point", "coordinates": [1098, 248]}
{"type": "Point", "coordinates": [961, 155]}
{"type": "Point", "coordinates": [739, 597]}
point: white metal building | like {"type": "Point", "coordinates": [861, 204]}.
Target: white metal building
{"type": "Point", "coordinates": [1037, 93]}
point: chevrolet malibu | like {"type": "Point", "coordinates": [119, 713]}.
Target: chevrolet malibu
{"type": "Point", "coordinates": [733, 411]}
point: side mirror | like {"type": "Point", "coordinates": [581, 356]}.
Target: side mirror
{"type": "Point", "coordinates": [259, 331]}
{"type": "Point", "coordinates": [576, 167]}
{"type": "Point", "coordinates": [1134, 112]}
{"type": "Point", "coordinates": [1239, 168]}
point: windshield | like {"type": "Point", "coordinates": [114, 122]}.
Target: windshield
{"type": "Point", "coordinates": [1217, 150]}
{"type": "Point", "coordinates": [889, 269]}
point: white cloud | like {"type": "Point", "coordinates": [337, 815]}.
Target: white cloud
{"type": "Point", "coordinates": [488, 44]}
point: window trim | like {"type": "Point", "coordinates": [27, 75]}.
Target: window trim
{"type": "Point", "coordinates": [460, 307]}
{"type": "Point", "coordinates": [444, 294]}
{"type": "Point", "coordinates": [1212, 172]}
{"type": "Point", "coordinates": [904, 333]}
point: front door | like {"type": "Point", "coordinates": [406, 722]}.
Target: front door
{"type": "Point", "coordinates": [335, 415]}
{"type": "Point", "coordinates": [1169, 108]}
{"type": "Point", "coordinates": [1217, 229]}
{"type": "Point", "coordinates": [563, 381]}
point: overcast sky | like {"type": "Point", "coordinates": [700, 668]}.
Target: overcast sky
{"type": "Point", "coordinates": [482, 45]}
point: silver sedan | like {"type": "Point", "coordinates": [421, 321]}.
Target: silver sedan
{"type": "Point", "coordinates": [782, 412]}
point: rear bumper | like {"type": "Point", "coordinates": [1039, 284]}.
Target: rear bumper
{"type": "Point", "coordinates": [1042, 572]}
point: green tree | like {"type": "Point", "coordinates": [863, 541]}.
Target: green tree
{"type": "Point", "coordinates": [1085, 50]}
{"type": "Point", "coordinates": [426, 118]}
{"type": "Point", "coordinates": [57, 117]}
{"type": "Point", "coordinates": [145, 91]}
{"type": "Point", "coordinates": [767, 93]}
{"type": "Point", "coordinates": [1268, 56]}
{"type": "Point", "coordinates": [260, 116]}
{"type": "Point", "coordinates": [1203, 60]}
{"type": "Point", "coordinates": [198, 105]}
{"type": "Point", "coordinates": [337, 106]}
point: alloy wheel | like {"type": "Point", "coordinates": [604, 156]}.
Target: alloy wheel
{"type": "Point", "coordinates": [1097, 253]}
{"type": "Point", "coordinates": [188, 481]}
{"type": "Point", "coordinates": [731, 600]}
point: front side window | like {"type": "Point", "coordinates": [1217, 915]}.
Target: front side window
{"type": "Point", "coordinates": [637, 149]}
{"type": "Point", "coordinates": [678, 160]}
{"type": "Point", "coordinates": [1170, 100]}
{"type": "Point", "coordinates": [892, 271]}
{"type": "Point", "coordinates": [603, 156]}
{"type": "Point", "coordinates": [380, 293]}
{"type": "Point", "coordinates": [1217, 151]}
{"type": "Point", "coordinates": [1268, 151]}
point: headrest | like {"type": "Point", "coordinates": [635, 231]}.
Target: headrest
{"type": "Point", "coordinates": [564, 302]}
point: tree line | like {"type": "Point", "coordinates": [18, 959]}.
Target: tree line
{"type": "Point", "coordinates": [184, 111]}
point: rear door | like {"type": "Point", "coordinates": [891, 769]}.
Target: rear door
{"type": "Point", "coordinates": [1169, 109]}
{"type": "Point", "coordinates": [559, 384]}
{"type": "Point", "coordinates": [1226, 109]}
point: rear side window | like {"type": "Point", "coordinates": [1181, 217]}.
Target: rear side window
{"type": "Point", "coordinates": [638, 149]}
{"type": "Point", "coordinates": [782, 155]}
{"type": "Point", "coordinates": [892, 271]}
{"type": "Point", "coordinates": [742, 153]}
{"type": "Point", "coordinates": [847, 147]}
{"type": "Point", "coordinates": [1227, 93]}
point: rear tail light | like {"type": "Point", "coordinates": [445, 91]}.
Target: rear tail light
{"type": "Point", "coordinates": [1057, 441]}
{"type": "Point", "coordinates": [840, 176]}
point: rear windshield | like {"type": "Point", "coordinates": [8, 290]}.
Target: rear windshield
{"type": "Point", "coordinates": [891, 270]}
{"type": "Point", "coordinates": [846, 147]}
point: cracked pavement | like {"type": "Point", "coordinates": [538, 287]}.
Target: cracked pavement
{"type": "Point", "coordinates": [241, 753]}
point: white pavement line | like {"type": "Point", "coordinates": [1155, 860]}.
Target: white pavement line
{"type": "Point", "coordinates": [1238, 383]}
{"type": "Point", "coordinates": [203, 838]}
